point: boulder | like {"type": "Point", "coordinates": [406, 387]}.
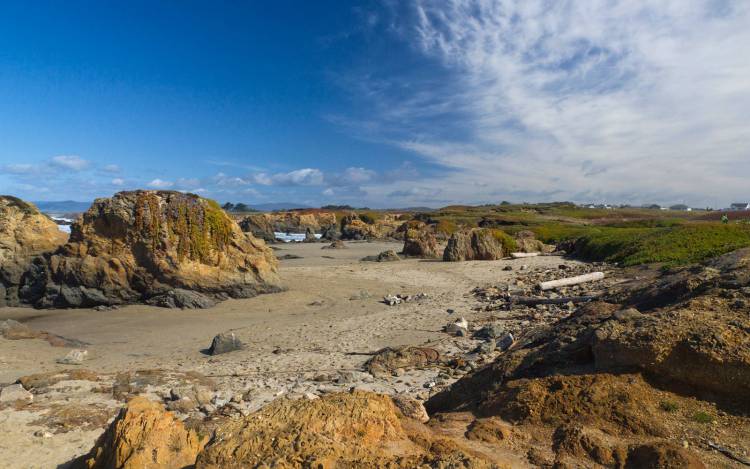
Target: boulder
{"type": "Point", "coordinates": [25, 234]}
{"type": "Point", "coordinates": [224, 343]}
{"type": "Point", "coordinates": [144, 435]}
{"type": "Point", "coordinates": [74, 357]}
{"type": "Point", "coordinates": [420, 243]}
{"type": "Point", "coordinates": [15, 393]}
{"type": "Point", "coordinates": [331, 232]}
{"type": "Point", "coordinates": [338, 244]}
{"type": "Point", "coordinates": [140, 245]}
{"type": "Point", "coordinates": [478, 244]}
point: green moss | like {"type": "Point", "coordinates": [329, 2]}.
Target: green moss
{"type": "Point", "coordinates": [196, 226]}
{"type": "Point", "coordinates": [508, 243]}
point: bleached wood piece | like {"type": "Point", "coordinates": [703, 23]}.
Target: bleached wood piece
{"type": "Point", "coordinates": [564, 282]}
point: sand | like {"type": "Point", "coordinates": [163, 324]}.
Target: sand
{"type": "Point", "coordinates": [325, 322]}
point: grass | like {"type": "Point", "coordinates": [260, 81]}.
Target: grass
{"type": "Point", "coordinates": [668, 406]}
{"type": "Point", "coordinates": [702, 417]}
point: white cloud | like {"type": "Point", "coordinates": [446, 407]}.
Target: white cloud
{"type": "Point", "coordinates": [160, 184]}
{"type": "Point", "coordinates": [586, 100]}
{"type": "Point", "coordinates": [299, 177]}
{"type": "Point", "coordinates": [20, 168]}
{"type": "Point", "coordinates": [118, 182]}
{"type": "Point", "coordinates": [328, 192]}
{"type": "Point", "coordinates": [71, 162]}
{"type": "Point", "coordinates": [358, 175]}
{"type": "Point", "coordinates": [111, 168]}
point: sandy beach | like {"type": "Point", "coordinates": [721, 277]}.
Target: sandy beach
{"type": "Point", "coordinates": [327, 322]}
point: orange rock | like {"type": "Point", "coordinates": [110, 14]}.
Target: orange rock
{"type": "Point", "coordinates": [145, 436]}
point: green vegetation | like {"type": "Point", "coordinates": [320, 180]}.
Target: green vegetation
{"type": "Point", "coordinates": [677, 245]}
{"type": "Point", "coordinates": [446, 227]}
{"type": "Point", "coordinates": [370, 217]}
{"type": "Point", "coordinates": [629, 236]}
{"type": "Point", "coordinates": [507, 241]}
{"type": "Point", "coordinates": [668, 406]}
{"type": "Point", "coordinates": [702, 417]}
{"type": "Point", "coordinates": [25, 207]}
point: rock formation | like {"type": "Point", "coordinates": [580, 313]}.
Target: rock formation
{"type": "Point", "coordinates": [144, 435]}
{"type": "Point", "coordinates": [24, 234]}
{"type": "Point", "coordinates": [479, 244]}
{"type": "Point", "coordinates": [145, 246]}
{"type": "Point", "coordinates": [259, 226]}
{"type": "Point", "coordinates": [420, 243]}
{"type": "Point", "coordinates": [526, 242]}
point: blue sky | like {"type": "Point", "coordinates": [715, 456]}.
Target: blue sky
{"type": "Point", "coordinates": [378, 103]}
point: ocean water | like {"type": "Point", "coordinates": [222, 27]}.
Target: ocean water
{"type": "Point", "coordinates": [64, 228]}
{"type": "Point", "coordinates": [292, 237]}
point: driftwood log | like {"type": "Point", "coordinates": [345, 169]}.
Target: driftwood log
{"type": "Point", "coordinates": [564, 282]}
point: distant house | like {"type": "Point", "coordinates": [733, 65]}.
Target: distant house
{"type": "Point", "coordinates": [740, 206]}
{"type": "Point", "coordinates": [680, 207]}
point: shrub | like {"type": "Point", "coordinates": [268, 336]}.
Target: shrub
{"type": "Point", "coordinates": [702, 417]}
{"type": "Point", "coordinates": [507, 241]}
{"type": "Point", "coordinates": [446, 227]}
{"type": "Point", "coordinates": [668, 406]}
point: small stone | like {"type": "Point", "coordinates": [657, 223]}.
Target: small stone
{"type": "Point", "coordinates": [74, 357]}
{"type": "Point", "coordinates": [224, 343]}
{"type": "Point", "coordinates": [399, 372]}
{"type": "Point", "coordinates": [490, 331]}
{"type": "Point", "coordinates": [311, 396]}
{"type": "Point", "coordinates": [42, 434]}
{"type": "Point", "coordinates": [486, 347]}
{"type": "Point", "coordinates": [14, 393]}
{"type": "Point", "coordinates": [508, 268]}
{"type": "Point", "coordinates": [458, 328]}
{"type": "Point", "coordinates": [208, 408]}
{"type": "Point", "coordinates": [429, 384]}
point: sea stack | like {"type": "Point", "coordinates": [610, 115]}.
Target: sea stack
{"type": "Point", "coordinates": [140, 246]}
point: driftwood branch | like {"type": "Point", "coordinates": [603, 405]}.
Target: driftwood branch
{"type": "Point", "coordinates": [564, 282]}
{"type": "Point", "coordinates": [521, 255]}
{"type": "Point", "coordinates": [531, 301]}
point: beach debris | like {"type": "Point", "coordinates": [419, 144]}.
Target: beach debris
{"type": "Point", "coordinates": [15, 393]}
{"type": "Point", "coordinates": [460, 327]}
{"type": "Point", "coordinates": [728, 453]}
{"type": "Point", "coordinates": [486, 347]}
{"type": "Point", "coordinates": [521, 255]}
{"type": "Point", "coordinates": [74, 357]}
{"type": "Point", "coordinates": [393, 300]}
{"type": "Point", "coordinates": [564, 282]}
{"type": "Point", "coordinates": [224, 343]}
{"type": "Point", "coordinates": [505, 342]}
{"type": "Point", "coordinates": [531, 301]}
{"type": "Point", "coordinates": [387, 360]}
{"type": "Point", "coordinates": [287, 257]}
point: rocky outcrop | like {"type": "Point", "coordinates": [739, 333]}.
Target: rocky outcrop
{"type": "Point", "coordinates": [144, 435]}
{"type": "Point", "coordinates": [479, 244]}
{"type": "Point", "coordinates": [147, 245]}
{"type": "Point", "coordinates": [526, 242]}
{"type": "Point", "coordinates": [420, 243]}
{"type": "Point", "coordinates": [25, 233]}
{"type": "Point", "coordinates": [354, 227]}
{"type": "Point", "coordinates": [310, 236]}
{"type": "Point", "coordinates": [357, 429]}
{"type": "Point", "coordinates": [259, 226]}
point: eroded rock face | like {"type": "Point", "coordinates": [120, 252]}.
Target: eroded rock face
{"type": "Point", "coordinates": [420, 243]}
{"type": "Point", "coordinates": [140, 245]}
{"type": "Point", "coordinates": [25, 233]}
{"type": "Point", "coordinates": [144, 435]}
{"type": "Point", "coordinates": [260, 226]}
{"type": "Point", "coordinates": [482, 244]}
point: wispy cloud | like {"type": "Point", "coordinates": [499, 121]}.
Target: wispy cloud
{"type": "Point", "coordinates": [588, 99]}
{"type": "Point", "coordinates": [299, 177]}
{"type": "Point", "coordinates": [71, 162]}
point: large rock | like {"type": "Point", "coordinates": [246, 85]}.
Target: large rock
{"type": "Point", "coordinates": [260, 226]}
{"type": "Point", "coordinates": [144, 435]}
{"type": "Point", "coordinates": [480, 244]}
{"type": "Point", "coordinates": [420, 243]}
{"type": "Point", "coordinates": [25, 233]}
{"type": "Point", "coordinates": [139, 245]}
{"type": "Point", "coordinates": [357, 429]}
